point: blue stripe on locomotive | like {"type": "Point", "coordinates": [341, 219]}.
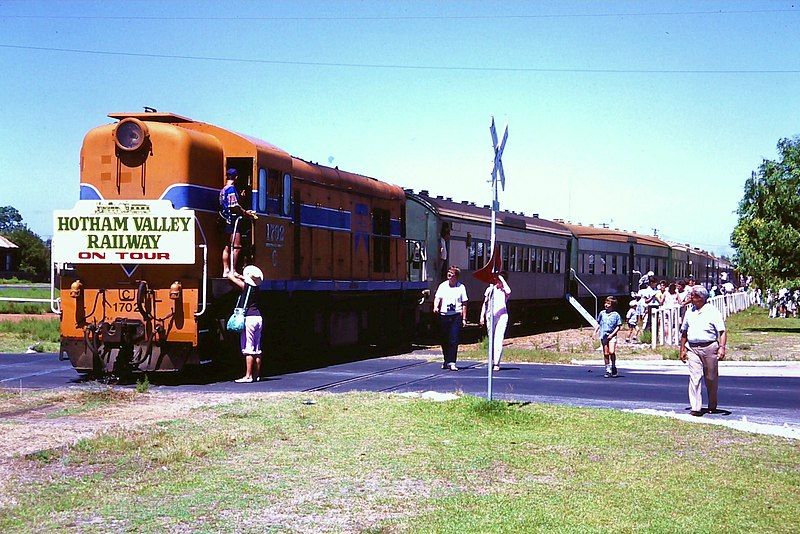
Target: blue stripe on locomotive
{"type": "Point", "coordinates": [207, 199]}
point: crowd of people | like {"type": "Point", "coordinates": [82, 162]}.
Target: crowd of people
{"type": "Point", "coordinates": [783, 303]}
{"type": "Point", "coordinates": [654, 293]}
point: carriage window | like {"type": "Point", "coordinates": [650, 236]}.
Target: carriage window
{"type": "Point", "coordinates": [538, 260]}
{"type": "Point", "coordinates": [504, 255]}
{"type": "Point", "coordinates": [559, 261]}
{"type": "Point", "coordinates": [526, 259]}
{"type": "Point", "coordinates": [624, 264]}
{"type": "Point", "coordinates": [262, 190]}
{"type": "Point", "coordinates": [591, 264]}
{"type": "Point", "coordinates": [512, 260]}
{"type": "Point", "coordinates": [287, 194]}
{"type": "Point", "coordinates": [479, 254]}
{"type": "Point", "coordinates": [602, 258]}
{"type": "Point", "coordinates": [614, 264]}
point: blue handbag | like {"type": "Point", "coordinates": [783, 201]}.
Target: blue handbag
{"type": "Point", "coordinates": [236, 320]}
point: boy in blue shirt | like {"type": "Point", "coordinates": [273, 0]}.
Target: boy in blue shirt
{"type": "Point", "coordinates": [609, 323]}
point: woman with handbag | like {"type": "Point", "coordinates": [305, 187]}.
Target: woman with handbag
{"type": "Point", "coordinates": [248, 282]}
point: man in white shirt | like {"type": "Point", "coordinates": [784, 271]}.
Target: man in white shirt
{"type": "Point", "coordinates": [450, 302]}
{"type": "Point", "coordinates": [702, 346]}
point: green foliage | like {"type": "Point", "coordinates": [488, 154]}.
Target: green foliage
{"type": "Point", "coordinates": [143, 385]}
{"type": "Point", "coordinates": [646, 337]}
{"type": "Point", "coordinates": [34, 329]}
{"type": "Point", "coordinates": [10, 219]}
{"type": "Point", "coordinates": [34, 254]}
{"type": "Point", "coordinates": [767, 235]}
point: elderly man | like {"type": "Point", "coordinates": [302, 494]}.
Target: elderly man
{"type": "Point", "coordinates": [703, 331]}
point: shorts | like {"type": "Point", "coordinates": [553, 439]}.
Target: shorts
{"type": "Point", "coordinates": [242, 228]}
{"type": "Point", "coordinates": [250, 339]}
{"type": "Point", "coordinates": [632, 324]}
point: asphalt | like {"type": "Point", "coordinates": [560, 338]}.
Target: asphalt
{"type": "Point", "coordinates": [760, 392]}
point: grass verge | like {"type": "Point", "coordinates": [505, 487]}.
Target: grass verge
{"type": "Point", "coordinates": [17, 336]}
{"type": "Point", "coordinates": [24, 307]}
{"type": "Point", "coordinates": [368, 462]}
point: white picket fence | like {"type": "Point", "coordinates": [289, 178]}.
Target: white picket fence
{"type": "Point", "coordinates": [666, 321]}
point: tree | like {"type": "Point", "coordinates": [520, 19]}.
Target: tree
{"type": "Point", "coordinates": [34, 254]}
{"type": "Point", "coordinates": [10, 219]}
{"type": "Point", "coordinates": [767, 235]}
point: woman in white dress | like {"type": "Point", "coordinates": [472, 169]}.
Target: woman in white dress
{"type": "Point", "coordinates": [495, 307]}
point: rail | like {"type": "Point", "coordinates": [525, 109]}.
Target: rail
{"type": "Point", "coordinates": [587, 289]}
{"type": "Point", "coordinates": [666, 321]}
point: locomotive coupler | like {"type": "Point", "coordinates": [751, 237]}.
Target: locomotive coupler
{"type": "Point", "coordinates": [123, 334]}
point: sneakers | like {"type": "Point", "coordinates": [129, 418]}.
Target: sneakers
{"type": "Point", "coordinates": [696, 413]}
{"type": "Point", "coordinates": [496, 368]}
{"type": "Point", "coordinates": [613, 372]}
{"type": "Point", "coordinates": [244, 380]}
{"type": "Point", "coordinates": [452, 366]}
{"type": "Point", "coordinates": [607, 374]}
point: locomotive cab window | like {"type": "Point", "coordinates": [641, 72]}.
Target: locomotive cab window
{"type": "Point", "coordinates": [271, 191]}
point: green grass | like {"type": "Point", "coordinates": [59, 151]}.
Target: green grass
{"type": "Point", "coordinates": [13, 281]}
{"type": "Point", "coordinates": [368, 462]}
{"type": "Point", "coordinates": [534, 355]}
{"type": "Point", "coordinates": [24, 307]}
{"type": "Point", "coordinates": [17, 336]}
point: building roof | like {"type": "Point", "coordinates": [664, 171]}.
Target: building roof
{"type": "Point", "coordinates": [5, 243]}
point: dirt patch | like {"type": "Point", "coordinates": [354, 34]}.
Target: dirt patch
{"type": "Point", "coordinates": [17, 317]}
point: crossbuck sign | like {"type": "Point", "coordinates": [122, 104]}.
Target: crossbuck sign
{"type": "Point", "coordinates": [498, 154]}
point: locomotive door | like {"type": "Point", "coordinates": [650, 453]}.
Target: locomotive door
{"type": "Point", "coordinates": [244, 185]}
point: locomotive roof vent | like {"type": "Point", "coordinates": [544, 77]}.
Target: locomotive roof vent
{"type": "Point", "coordinates": [424, 192]}
{"type": "Point", "coordinates": [440, 197]}
{"type": "Point", "coordinates": [535, 215]}
{"type": "Point", "coordinates": [450, 199]}
{"type": "Point", "coordinates": [465, 202]}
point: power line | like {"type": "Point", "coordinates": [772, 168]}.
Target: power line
{"type": "Point", "coordinates": [409, 17]}
{"type": "Point", "coordinates": [403, 67]}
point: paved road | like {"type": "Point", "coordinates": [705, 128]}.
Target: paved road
{"type": "Point", "coordinates": [761, 393]}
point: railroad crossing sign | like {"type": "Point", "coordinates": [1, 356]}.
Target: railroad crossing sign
{"type": "Point", "coordinates": [498, 154]}
{"type": "Point", "coordinates": [496, 170]}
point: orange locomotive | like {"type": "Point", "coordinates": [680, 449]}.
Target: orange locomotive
{"type": "Point", "coordinates": [139, 257]}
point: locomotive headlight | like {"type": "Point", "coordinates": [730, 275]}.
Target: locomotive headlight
{"type": "Point", "coordinates": [130, 134]}
{"type": "Point", "coordinates": [176, 291]}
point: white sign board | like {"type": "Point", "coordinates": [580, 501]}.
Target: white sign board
{"type": "Point", "coordinates": [143, 231]}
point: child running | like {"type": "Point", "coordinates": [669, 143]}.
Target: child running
{"type": "Point", "coordinates": [632, 318]}
{"type": "Point", "coordinates": [609, 323]}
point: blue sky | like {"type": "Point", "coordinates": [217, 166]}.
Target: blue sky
{"type": "Point", "coordinates": [642, 115]}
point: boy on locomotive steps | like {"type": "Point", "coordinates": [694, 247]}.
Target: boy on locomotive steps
{"type": "Point", "coordinates": [236, 221]}
{"type": "Point", "coordinates": [609, 323]}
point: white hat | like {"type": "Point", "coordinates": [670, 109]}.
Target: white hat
{"type": "Point", "coordinates": [634, 303]}
{"type": "Point", "coordinates": [252, 275]}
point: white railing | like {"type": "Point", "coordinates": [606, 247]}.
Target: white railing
{"type": "Point", "coordinates": [666, 321]}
